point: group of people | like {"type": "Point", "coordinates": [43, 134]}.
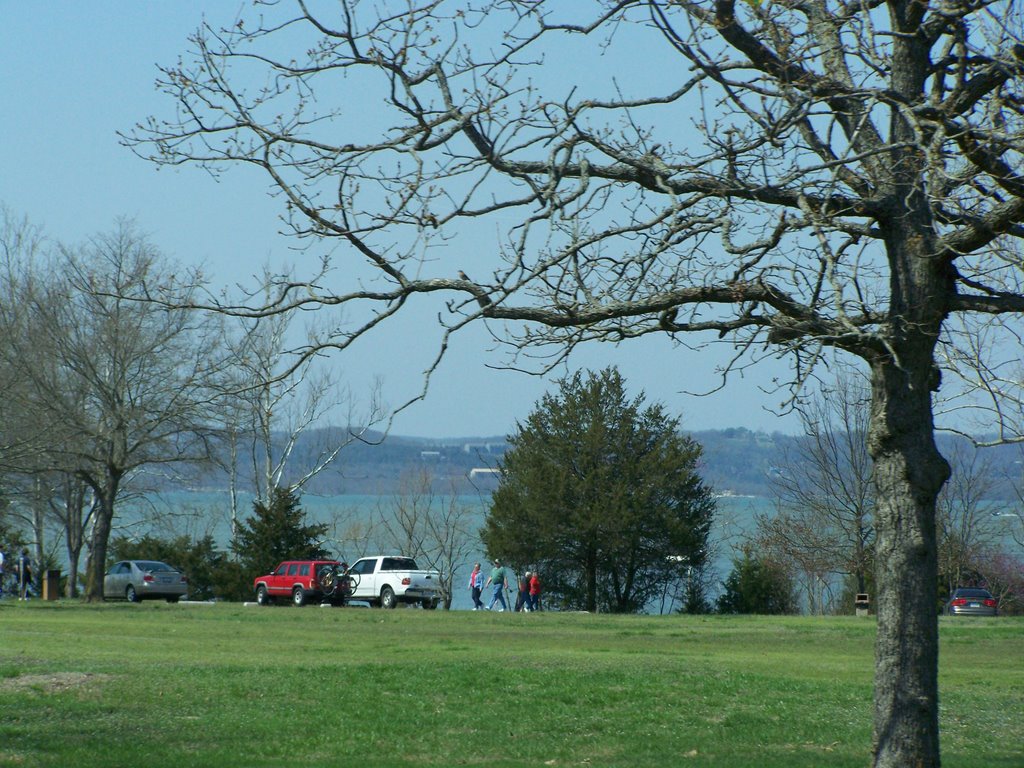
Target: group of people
{"type": "Point", "coordinates": [22, 572]}
{"type": "Point", "coordinates": [527, 595]}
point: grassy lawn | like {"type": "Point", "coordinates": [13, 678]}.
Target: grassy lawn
{"type": "Point", "coordinates": [229, 685]}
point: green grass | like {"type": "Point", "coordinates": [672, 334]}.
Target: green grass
{"type": "Point", "coordinates": [227, 685]}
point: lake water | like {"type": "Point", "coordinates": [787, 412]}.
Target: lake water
{"type": "Point", "coordinates": [350, 519]}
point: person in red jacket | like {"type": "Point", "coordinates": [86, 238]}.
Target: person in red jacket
{"type": "Point", "coordinates": [534, 591]}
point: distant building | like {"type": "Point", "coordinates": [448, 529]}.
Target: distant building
{"type": "Point", "coordinates": [483, 447]}
{"type": "Point", "coordinates": [430, 456]}
{"type": "Point", "coordinates": [478, 474]}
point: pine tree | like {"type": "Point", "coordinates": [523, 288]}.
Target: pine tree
{"type": "Point", "coordinates": [757, 585]}
{"type": "Point", "coordinates": [602, 495]}
{"type": "Point", "coordinates": [276, 532]}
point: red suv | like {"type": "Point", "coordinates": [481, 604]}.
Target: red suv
{"type": "Point", "coordinates": [302, 581]}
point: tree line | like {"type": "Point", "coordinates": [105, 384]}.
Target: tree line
{"type": "Point", "coordinates": [603, 494]}
{"type": "Point", "coordinates": [110, 391]}
{"type": "Point", "coordinates": [818, 546]}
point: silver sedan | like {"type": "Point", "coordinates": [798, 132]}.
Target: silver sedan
{"type": "Point", "coordinates": [137, 580]}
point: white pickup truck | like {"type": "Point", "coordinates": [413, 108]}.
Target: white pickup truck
{"type": "Point", "coordinates": [387, 581]}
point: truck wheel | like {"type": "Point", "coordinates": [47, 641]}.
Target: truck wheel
{"type": "Point", "coordinates": [430, 604]}
{"type": "Point", "coordinates": [298, 597]}
{"type": "Point", "coordinates": [387, 598]}
{"type": "Point", "coordinates": [262, 597]}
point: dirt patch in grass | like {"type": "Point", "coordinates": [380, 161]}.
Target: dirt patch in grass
{"type": "Point", "coordinates": [56, 682]}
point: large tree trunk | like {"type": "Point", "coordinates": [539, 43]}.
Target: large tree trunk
{"type": "Point", "coordinates": [75, 520]}
{"type": "Point", "coordinates": [97, 563]}
{"type": "Point", "coordinates": [74, 538]}
{"type": "Point", "coordinates": [71, 585]}
{"type": "Point", "coordinates": [909, 473]}
{"type": "Point", "coordinates": [106, 494]}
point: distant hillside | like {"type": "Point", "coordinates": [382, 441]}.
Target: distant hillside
{"type": "Point", "coordinates": [376, 464]}
{"type": "Point", "coordinates": [741, 461]}
{"type": "Point", "coordinates": [737, 460]}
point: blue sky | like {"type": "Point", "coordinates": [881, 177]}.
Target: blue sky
{"type": "Point", "coordinates": [75, 73]}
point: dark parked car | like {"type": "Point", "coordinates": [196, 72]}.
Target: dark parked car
{"type": "Point", "coordinates": [972, 602]}
{"type": "Point", "coordinates": [137, 580]}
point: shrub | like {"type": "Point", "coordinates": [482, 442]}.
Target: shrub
{"type": "Point", "coordinates": [757, 585]}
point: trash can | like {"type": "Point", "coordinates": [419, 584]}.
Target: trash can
{"type": "Point", "coordinates": [861, 604]}
{"type": "Point", "coordinates": [51, 585]}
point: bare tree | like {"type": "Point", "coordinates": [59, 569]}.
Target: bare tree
{"type": "Point", "coordinates": [967, 532]}
{"type": "Point", "coordinates": [800, 176]}
{"type": "Point", "coordinates": [28, 500]}
{"type": "Point", "coordinates": [41, 494]}
{"type": "Point", "coordinates": [21, 244]}
{"type": "Point", "coordinates": [352, 537]}
{"type": "Point", "coordinates": [1012, 523]}
{"type": "Point", "coordinates": [115, 383]}
{"type": "Point", "coordinates": [276, 395]}
{"type": "Point", "coordinates": [46, 502]}
{"type": "Point", "coordinates": [1004, 577]}
{"type": "Point", "coordinates": [439, 530]}
{"type": "Point", "coordinates": [72, 504]}
{"type": "Point", "coordinates": [824, 522]}
{"type": "Point", "coordinates": [824, 492]}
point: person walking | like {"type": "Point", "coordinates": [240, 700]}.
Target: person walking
{"type": "Point", "coordinates": [476, 585]}
{"type": "Point", "coordinates": [523, 596]}
{"type": "Point", "coordinates": [535, 592]}
{"type": "Point", "coordinates": [499, 579]}
{"type": "Point", "coordinates": [24, 575]}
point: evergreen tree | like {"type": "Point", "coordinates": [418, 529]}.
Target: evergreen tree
{"type": "Point", "coordinates": [757, 585]}
{"type": "Point", "coordinates": [602, 496]}
{"type": "Point", "coordinates": [276, 532]}
{"type": "Point", "coordinates": [694, 595]}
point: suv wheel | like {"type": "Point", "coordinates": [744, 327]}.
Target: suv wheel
{"type": "Point", "coordinates": [298, 597]}
{"type": "Point", "coordinates": [261, 595]}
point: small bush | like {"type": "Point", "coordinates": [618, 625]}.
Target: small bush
{"type": "Point", "coordinates": [758, 585]}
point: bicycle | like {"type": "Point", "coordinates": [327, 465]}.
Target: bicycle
{"type": "Point", "coordinates": [337, 587]}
